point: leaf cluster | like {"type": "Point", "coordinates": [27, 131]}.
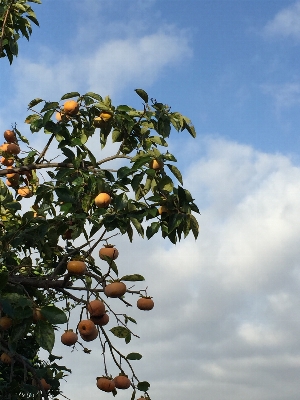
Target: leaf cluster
{"type": "Point", "coordinates": [16, 17]}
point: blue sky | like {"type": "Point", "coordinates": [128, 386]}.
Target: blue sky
{"type": "Point", "coordinates": [226, 318]}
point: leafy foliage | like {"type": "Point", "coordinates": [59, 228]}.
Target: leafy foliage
{"type": "Point", "coordinates": [34, 274]}
{"type": "Point", "coordinates": [15, 19]}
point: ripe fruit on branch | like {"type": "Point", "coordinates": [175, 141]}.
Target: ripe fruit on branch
{"type": "Point", "coordinates": [11, 148]}
{"type": "Point", "coordinates": [105, 116]}
{"type": "Point", "coordinates": [45, 385]}
{"type": "Point", "coordinates": [103, 200]}
{"type": "Point", "coordinates": [86, 327]}
{"type": "Point", "coordinates": [5, 323]}
{"type": "Point", "coordinates": [5, 358]}
{"type": "Point", "coordinates": [71, 107]}
{"type": "Point", "coordinates": [8, 162]}
{"type": "Point", "coordinates": [109, 251]}
{"type": "Point", "coordinates": [105, 384]}
{"type": "Point", "coordinates": [145, 303]}
{"type": "Point", "coordinates": [156, 164]}
{"type": "Point", "coordinates": [58, 116]}
{"type": "Point", "coordinates": [115, 289]}
{"type": "Point", "coordinates": [25, 192]}
{"type": "Point", "coordinates": [12, 175]}
{"type": "Point", "coordinates": [96, 308]}
{"type": "Point", "coordinates": [163, 210]}
{"type": "Point", "coordinates": [69, 338]}
{"type": "Point", "coordinates": [101, 321]}
{"type": "Point", "coordinates": [76, 267]}
{"type": "Point", "coordinates": [12, 182]}
{"type": "Point", "coordinates": [122, 382]}
{"type": "Point", "coordinates": [91, 336]}
{"type": "Point", "coordinates": [10, 136]}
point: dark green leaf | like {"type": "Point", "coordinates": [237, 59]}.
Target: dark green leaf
{"type": "Point", "coordinates": [50, 106]}
{"type": "Point", "coordinates": [120, 331]}
{"type": "Point", "coordinates": [34, 102]}
{"type": "Point", "coordinates": [128, 338]}
{"type": "Point", "coordinates": [15, 206]}
{"type": "Point", "coordinates": [138, 226]}
{"type": "Point", "coordinates": [124, 108]}
{"type": "Point", "coordinates": [195, 226]}
{"type": "Point", "coordinates": [143, 95]}
{"type": "Point", "coordinates": [44, 335]}
{"type": "Point", "coordinates": [70, 95]}
{"type": "Point", "coordinates": [94, 96]}
{"type": "Point", "coordinates": [175, 171]}
{"type": "Point", "coordinates": [134, 356]}
{"type": "Point", "coordinates": [54, 315]}
{"type": "Point", "coordinates": [3, 278]}
{"type": "Point", "coordinates": [133, 278]}
{"type": "Point", "coordinates": [152, 229]}
{"type": "Point", "coordinates": [143, 386]}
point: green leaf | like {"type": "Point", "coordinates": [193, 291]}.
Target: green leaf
{"type": "Point", "coordinates": [159, 140]}
{"type": "Point", "coordinates": [116, 135]}
{"type": "Point", "coordinates": [138, 226]}
{"type": "Point", "coordinates": [137, 179]}
{"type": "Point", "coordinates": [166, 184]}
{"type": "Point", "coordinates": [3, 278]}
{"type": "Point", "coordinates": [152, 229]}
{"type": "Point", "coordinates": [134, 356]}
{"type": "Point", "coordinates": [34, 102]}
{"type": "Point", "coordinates": [70, 95]}
{"type": "Point", "coordinates": [128, 338]}
{"type": "Point", "coordinates": [50, 106]}
{"type": "Point", "coordinates": [175, 171]}
{"type": "Point", "coordinates": [131, 319]}
{"type": "Point", "coordinates": [143, 386]}
{"type": "Point", "coordinates": [14, 206]}
{"type": "Point", "coordinates": [143, 95]}
{"type": "Point", "coordinates": [120, 331]}
{"type": "Point", "coordinates": [94, 96]}
{"type": "Point", "coordinates": [132, 278]}
{"type": "Point", "coordinates": [54, 315]}
{"type": "Point", "coordinates": [195, 226]}
{"type": "Point", "coordinates": [124, 108]}
{"type": "Point", "coordinates": [44, 335]}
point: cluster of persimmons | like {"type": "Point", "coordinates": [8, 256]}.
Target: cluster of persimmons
{"type": "Point", "coordinates": [86, 328]}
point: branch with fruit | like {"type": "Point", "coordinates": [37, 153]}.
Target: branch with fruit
{"type": "Point", "coordinates": [48, 243]}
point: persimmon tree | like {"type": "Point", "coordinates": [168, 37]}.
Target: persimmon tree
{"type": "Point", "coordinates": [59, 204]}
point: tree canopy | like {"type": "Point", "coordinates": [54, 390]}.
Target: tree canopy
{"type": "Point", "coordinates": [58, 205]}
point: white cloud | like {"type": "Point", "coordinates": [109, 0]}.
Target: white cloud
{"type": "Point", "coordinates": [284, 95]}
{"type": "Point", "coordinates": [225, 322]}
{"type": "Point", "coordinates": [106, 68]}
{"type": "Point", "coordinates": [286, 23]}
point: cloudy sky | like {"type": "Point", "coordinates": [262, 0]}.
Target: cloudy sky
{"type": "Point", "coordinates": [226, 320]}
